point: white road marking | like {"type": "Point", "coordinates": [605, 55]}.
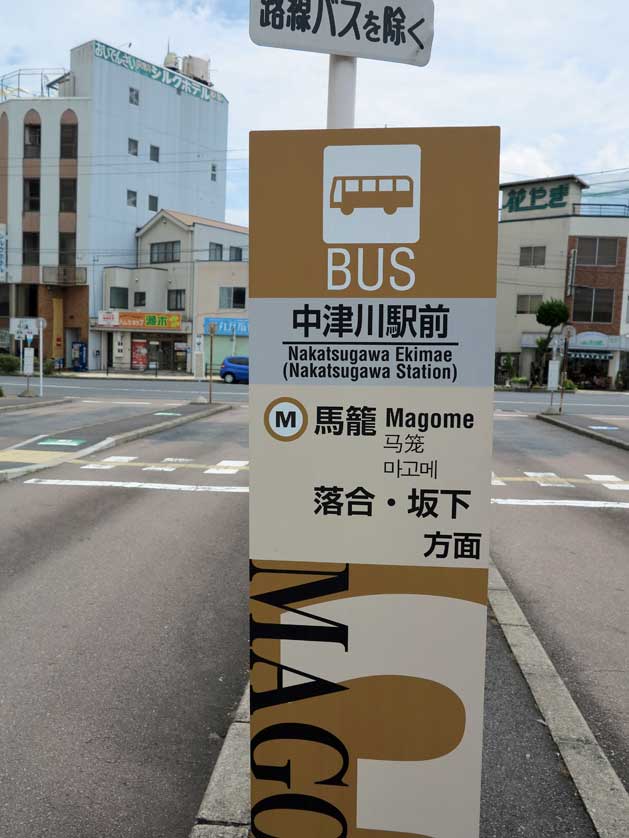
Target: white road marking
{"type": "Point", "coordinates": [604, 478]}
{"type": "Point", "coordinates": [98, 466]}
{"type": "Point", "coordinates": [233, 463]}
{"type": "Point", "coordinates": [617, 487]}
{"type": "Point", "coordinates": [180, 460]}
{"type": "Point", "coordinates": [495, 481]}
{"type": "Point", "coordinates": [163, 487]}
{"type": "Point", "coordinates": [603, 428]}
{"type": "Point", "coordinates": [119, 459]}
{"type": "Point", "coordinates": [220, 470]}
{"type": "Point", "coordinates": [26, 442]}
{"type": "Point", "coordinates": [548, 478]}
{"type": "Point", "coordinates": [159, 468]}
{"type": "Point", "coordinates": [136, 403]}
{"type": "Point", "coordinates": [166, 413]}
{"type": "Point", "coordinates": [94, 401]}
{"type": "Point", "coordinates": [579, 504]}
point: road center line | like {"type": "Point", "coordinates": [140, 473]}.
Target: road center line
{"type": "Point", "coordinates": [163, 487]}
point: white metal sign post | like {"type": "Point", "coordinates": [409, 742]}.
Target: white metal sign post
{"type": "Point", "coordinates": [371, 403]}
{"type": "Point", "coordinates": [402, 32]}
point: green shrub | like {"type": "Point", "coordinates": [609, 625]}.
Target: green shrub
{"type": "Point", "coordinates": [1, 393]}
{"type": "Point", "coordinates": [49, 366]}
{"type": "Point", "coordinates": [570, 386]}
{"type": "Point", "coordinates": [519, 380]}
{"type": "Point", "coordinates": [9, 364]}
{"type": "Point", "coordinates": [622, 380]}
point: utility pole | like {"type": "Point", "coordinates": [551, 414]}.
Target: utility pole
{"type": "Point", "coordinates": [212, 333]}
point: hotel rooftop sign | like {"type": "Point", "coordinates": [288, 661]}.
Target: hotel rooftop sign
{"type": "Point", "coordinates": [546, 196]}
{"type": "Point", "coordinates": [179, 82]}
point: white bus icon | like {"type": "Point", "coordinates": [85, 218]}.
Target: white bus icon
{"type": "Point", "coordinates": [387, 193]}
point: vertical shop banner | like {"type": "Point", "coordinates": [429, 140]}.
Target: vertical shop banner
{"type": "Point", "coordinates": [373, 284]}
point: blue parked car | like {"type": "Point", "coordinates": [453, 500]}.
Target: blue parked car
{"type": "Point", "coordinates": [235, 370]}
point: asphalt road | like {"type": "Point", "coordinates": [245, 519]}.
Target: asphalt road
{"type": "Point", "coordinates": [123, 648]}
{"type": "Point", "coordinates": [566, 559]}
{"type": "Point", "coordinates": [123, 637]}
{"type": "Point", "coordinates": [140, 389]}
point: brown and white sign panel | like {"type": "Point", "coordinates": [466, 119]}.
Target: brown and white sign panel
{"type": "Point", "coordinates": [373, 271]}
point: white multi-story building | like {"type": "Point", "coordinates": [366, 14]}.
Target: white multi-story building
{"type": "Point", "coordinates": [555, 244]}
{"type": "Point", "coordinates": [85, 164]}
{"type": "Point", "coordinates": [184, 301]}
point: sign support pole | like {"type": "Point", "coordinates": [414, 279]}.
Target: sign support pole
{"type": "Point", "coordinates": [342, 92]}
{"type": "Point", "coordinates": [41, 359]}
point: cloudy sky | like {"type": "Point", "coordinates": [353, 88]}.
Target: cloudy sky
{"type": "Point", "coordinates": [552, 73]}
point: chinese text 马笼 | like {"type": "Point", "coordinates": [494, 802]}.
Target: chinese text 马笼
{"type": "Point", "coordinates": [367, 320]}
{"type": "Point", "coordinates": [342, 19]}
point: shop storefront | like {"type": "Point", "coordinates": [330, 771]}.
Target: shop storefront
{"type": "Point", "coordinates": [151, 341]}
{"type": "Point", "coordinates": [231, 337]}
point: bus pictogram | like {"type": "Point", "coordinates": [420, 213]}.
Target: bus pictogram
{"type": "Point", "coordinates": [389, 193]}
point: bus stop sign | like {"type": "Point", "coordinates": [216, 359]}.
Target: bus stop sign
{"type": "Point", "coordinates": [401, 32]}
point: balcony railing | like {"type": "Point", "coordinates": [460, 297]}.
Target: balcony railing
{"type": "Point", "coordinates": [601, 210]}
{"type": "Point", "coordinates": [64, 275]}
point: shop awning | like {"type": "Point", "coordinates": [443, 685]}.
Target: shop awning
{"type": "Point", "coordinates": [589, 355]}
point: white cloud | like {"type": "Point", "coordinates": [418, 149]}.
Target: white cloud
{"type": "Point", "coordinates": [552, 75]}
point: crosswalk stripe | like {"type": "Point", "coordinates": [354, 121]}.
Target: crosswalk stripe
{"type": "Point", "coordinates": [495, 481]}
{"type": "Point", "coordinates": [604, 478]}
{"type": "Point", "coordinates": [548, 478]}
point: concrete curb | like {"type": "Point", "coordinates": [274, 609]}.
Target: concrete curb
{"type": "Point", "coordinates": [617, 443]}
{"type": "Point", "coordinates": [112, 441]}
{"type": "Point", "coordinates": [224, 812]}
{"type": "Point", "coordinates": [604, 796]}
{"type": "Point", "coordinates": [225, 809]}
{"type": "Point", "coordinates": [36, 403]}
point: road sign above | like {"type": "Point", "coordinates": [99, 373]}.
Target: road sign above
{"type": "Point", "coordinates": [21, 326]}
{"type": "Point", "coordinates": [402, 31]}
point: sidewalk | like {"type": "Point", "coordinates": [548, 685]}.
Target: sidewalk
{"type": "Point", "coordinates": [527, 788]}
{"type": "Point", "coordinates": [611, 430]}
{"type": "Point", "coordinates": [10, 403]}
{"type": "Point", "coordinates": [129, 375]}
{"type": "Point", "coordinates": [49, 451]}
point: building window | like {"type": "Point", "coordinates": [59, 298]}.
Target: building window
{"type": "Point", "coordinates": [177, 300]}
{"type": "Point", "coordinates": [139, 299]}
{"type": "Point", "coordinates": [232, 298]}
{"type": "Point", "coordinates": [216, 252]}
{"type": "Point", "coordinates": [165, 252]}
{"type": "Point", "coordinates": [67, 249]}
{"type": "Point", "coordinates": [153, 203]}
{"type": "Point", "coordinates": [32, 141]}
{"type": "Point", "coordinates": [593, 305]}
{"type": "Point", "coordinates": [132, 198]}
{"type": "Point", "coordinates": [154, 154]}
{"type": "Point", "coordinates": [31, 194]}
{"type": "Point", "coordinates": [30, 249]}
{"type": "Point", "coordinates": [132, 147]}
{"type": "Point", "coordinates": [529, 303]}
{"type": "Point", "coordinates": [532, 257]}
{"type": "Point", "coordinates": [67, 195]}
{"type": "Point", "coordinates": [597, 251]}
{"type": "Point", "coordinates": [69, 142]}
{"type": "Point", "coordinates": [118, 297]}
{"type": "Point", "coordinates": [213, 172]}
{"type": "Point", "coordinates": [235, 254]}
{"type": "Point", "coordinates": [134, 96]}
